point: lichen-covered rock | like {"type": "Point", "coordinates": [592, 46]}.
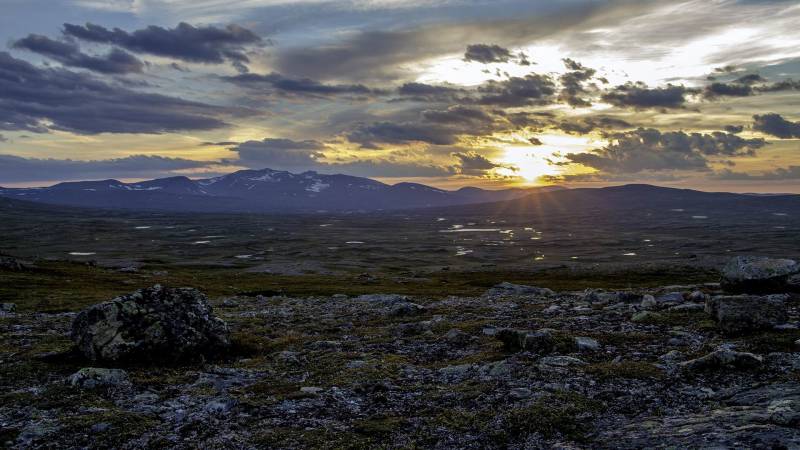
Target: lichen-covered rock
{"type": "Point", "coordinates": [735, 313]}
{"type": "Point", "coordinates": [723, 358]}
{"type": "Point", "coordinates": [586, 344]}
{"type": "Point", "coordinates": [756, 275]}
{"type": "Point", "coordinates": [506, 289]}
{"type": "Point", "coordinates": [153, 324]}
{"type": "Point", "coordinates": [95, 377]}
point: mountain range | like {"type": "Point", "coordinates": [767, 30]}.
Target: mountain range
{"type": "Point", "coordinates": [263, 190]}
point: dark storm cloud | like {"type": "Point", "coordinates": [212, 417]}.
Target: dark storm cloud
{"type": "Point", "coordinates": [31, 96]}
{"type": "Point", "coordinates": [788, 173]}
{"type": "Point", "coordinates": [775, 125]}
{"type": "Point", "coordinates": [648, 149]}
{"type": "Point", "coordinates": [589, 124]}
{"type": "Point", "coordinates": [486, 54]}
{"type": "Point", "coordinates": [785, 85]}
{"type": "Point", "coordinates": [535, 141]}
{"type": "Point", "coordinates": [639, 96]}
{"type": "Point", "coordinates": [385, 132]}
{"type": "Point", "coordinates": [751, 78]}
{"type": "Point", "coordinates": [429, 93]}
{"type": "Point", "coordinates": [734, 129]}
{"type": "Point", "coordinates": [573, 83]}
{"type": "Point", "coordinates": [70, 54]}
{"type": "Point", "coordinates": [727, 90]}
{"type": "Point", "coordinates": [532, 89]}
{"type": "Point", "coordinates": [301, 86]}
{"type": "Point", "coordinates": [475, 164]}
{"type": "Point", "coordinates": [15, 169]}
{"type": "Point", "coordinates": [279, 153]}
{"type": "Point", "coordinates": [433, 126]}
{"type": "Point", "coordinates": [208, 45]}
{"type": "Point", "coordinates": [459, 115]}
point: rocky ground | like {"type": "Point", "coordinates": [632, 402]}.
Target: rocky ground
{"type": "Point", "coordinates": [518, 367]}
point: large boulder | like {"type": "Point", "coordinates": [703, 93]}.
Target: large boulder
{"type": "Point", "coordinates": [756, 275]}
{"type": "Point", "coordinates": [153, 324]}
{"type": "Point", "coordinates": [735, 313]}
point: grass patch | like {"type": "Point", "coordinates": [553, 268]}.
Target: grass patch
{"type": "Point", "coordinates": [636, 370]}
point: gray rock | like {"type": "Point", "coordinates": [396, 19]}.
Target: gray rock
{"type": "Point", "coordinates": [756, 275]}
{"type": "Point", "coordinates": [697, 297]}
{"type": "Point", "coordinates": [648, 302]}
{"type": "Point", "coordinates": [520, 393]}
{"type": "Point", "coordinates": [723, 358]}
{"type": "Point", "coordinates": [8, 307]}
{"type": "Point", "coordinates": [506, 289]}
{"type": "Point", "coordinates": [552, 309]}
{"type": "Point", "coordinates": [382, 299]}
{"type": "Point", "coordinates": [220, 406]}
{"type": "Point", "coordinates": [403, 309]}
{"type": "Point", "coordinates": [100, 427]}
{"type": "Point", "coordinates": [230, 303]}
{"type": "Point", "coordinates": [457, 337]}
{"type": "Point", "coordinates": [671, 298]}
{"type": "Point", "coordinates": [645, 316]}
{"type": "Point", "coordinates": [549, 362]}
{"type": "Point", "coordinates": [95, 377]}
{"type": "Point", "coordinates": [586, 344]}
{"type": "Point", "coordinates": [747, 312]}
{"type": "Point", "coordinates": [541, 341]}
{"type": "Point", "coordinates": [688, 307]}
{"type": "Point", "coordinates": [151, 324]}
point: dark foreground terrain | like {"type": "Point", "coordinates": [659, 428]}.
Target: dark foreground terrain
{"type": "Point", "coordinates": [403, 340]}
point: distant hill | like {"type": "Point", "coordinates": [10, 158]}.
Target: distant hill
{"type": "Point", "coordinates": [263, 190]}
{"type": "Point", "coordinates": [635, 197]}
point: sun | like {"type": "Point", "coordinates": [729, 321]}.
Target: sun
{"type": "Point", "coordinates": [534, 162]}
{"type": "Point", "coordinates": [529, 163]}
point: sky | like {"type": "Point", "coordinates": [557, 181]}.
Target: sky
{"type": "Point", "coordinates": [701, 94]}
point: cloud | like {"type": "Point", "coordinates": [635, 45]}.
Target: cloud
{"type": "Point", "coordinates": [639, 96]}
{"type": "Point", "coordinates": [532, 89]}
{"type": "Point", "coordinates": [788, 173]}
{"type": "Point", "coordinates": [279, 153]}
{"type": "Point", "coordinates": [572, 83]}
{"type": "Point", "coordinates": [475, 164]}
{"type": "Point", "coordinates": [386, 132]}
{"type": "Point", "coordinates": [16, 169]}
{"type": "Point", "coordinates": [41, 99]}
{"type": "Point", "coordinates": [535, 141]}
{"type": "Point", "coordinates": [775, 125]}
{"type": "Point", "coordinates": [296, 87]}
{"type": "Point", "coordinates": [487, 54]}
{"type": "Point", "coordinates": [728, 90]}
{"type": "Point", "coordinates": [434, 126]}
{"type": "Point", "coordinates": [429, 93]}
{"type": "Point", "coordinates": [69, 54]}
{"type": "Point", "coordinates": [589, 124]}
{"type": "Point", "coordinates": [648, 149]}
{"type": "Point", "coordinates": [734, 129]}
{"type": "Point", "coordinates": [207, 45]}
